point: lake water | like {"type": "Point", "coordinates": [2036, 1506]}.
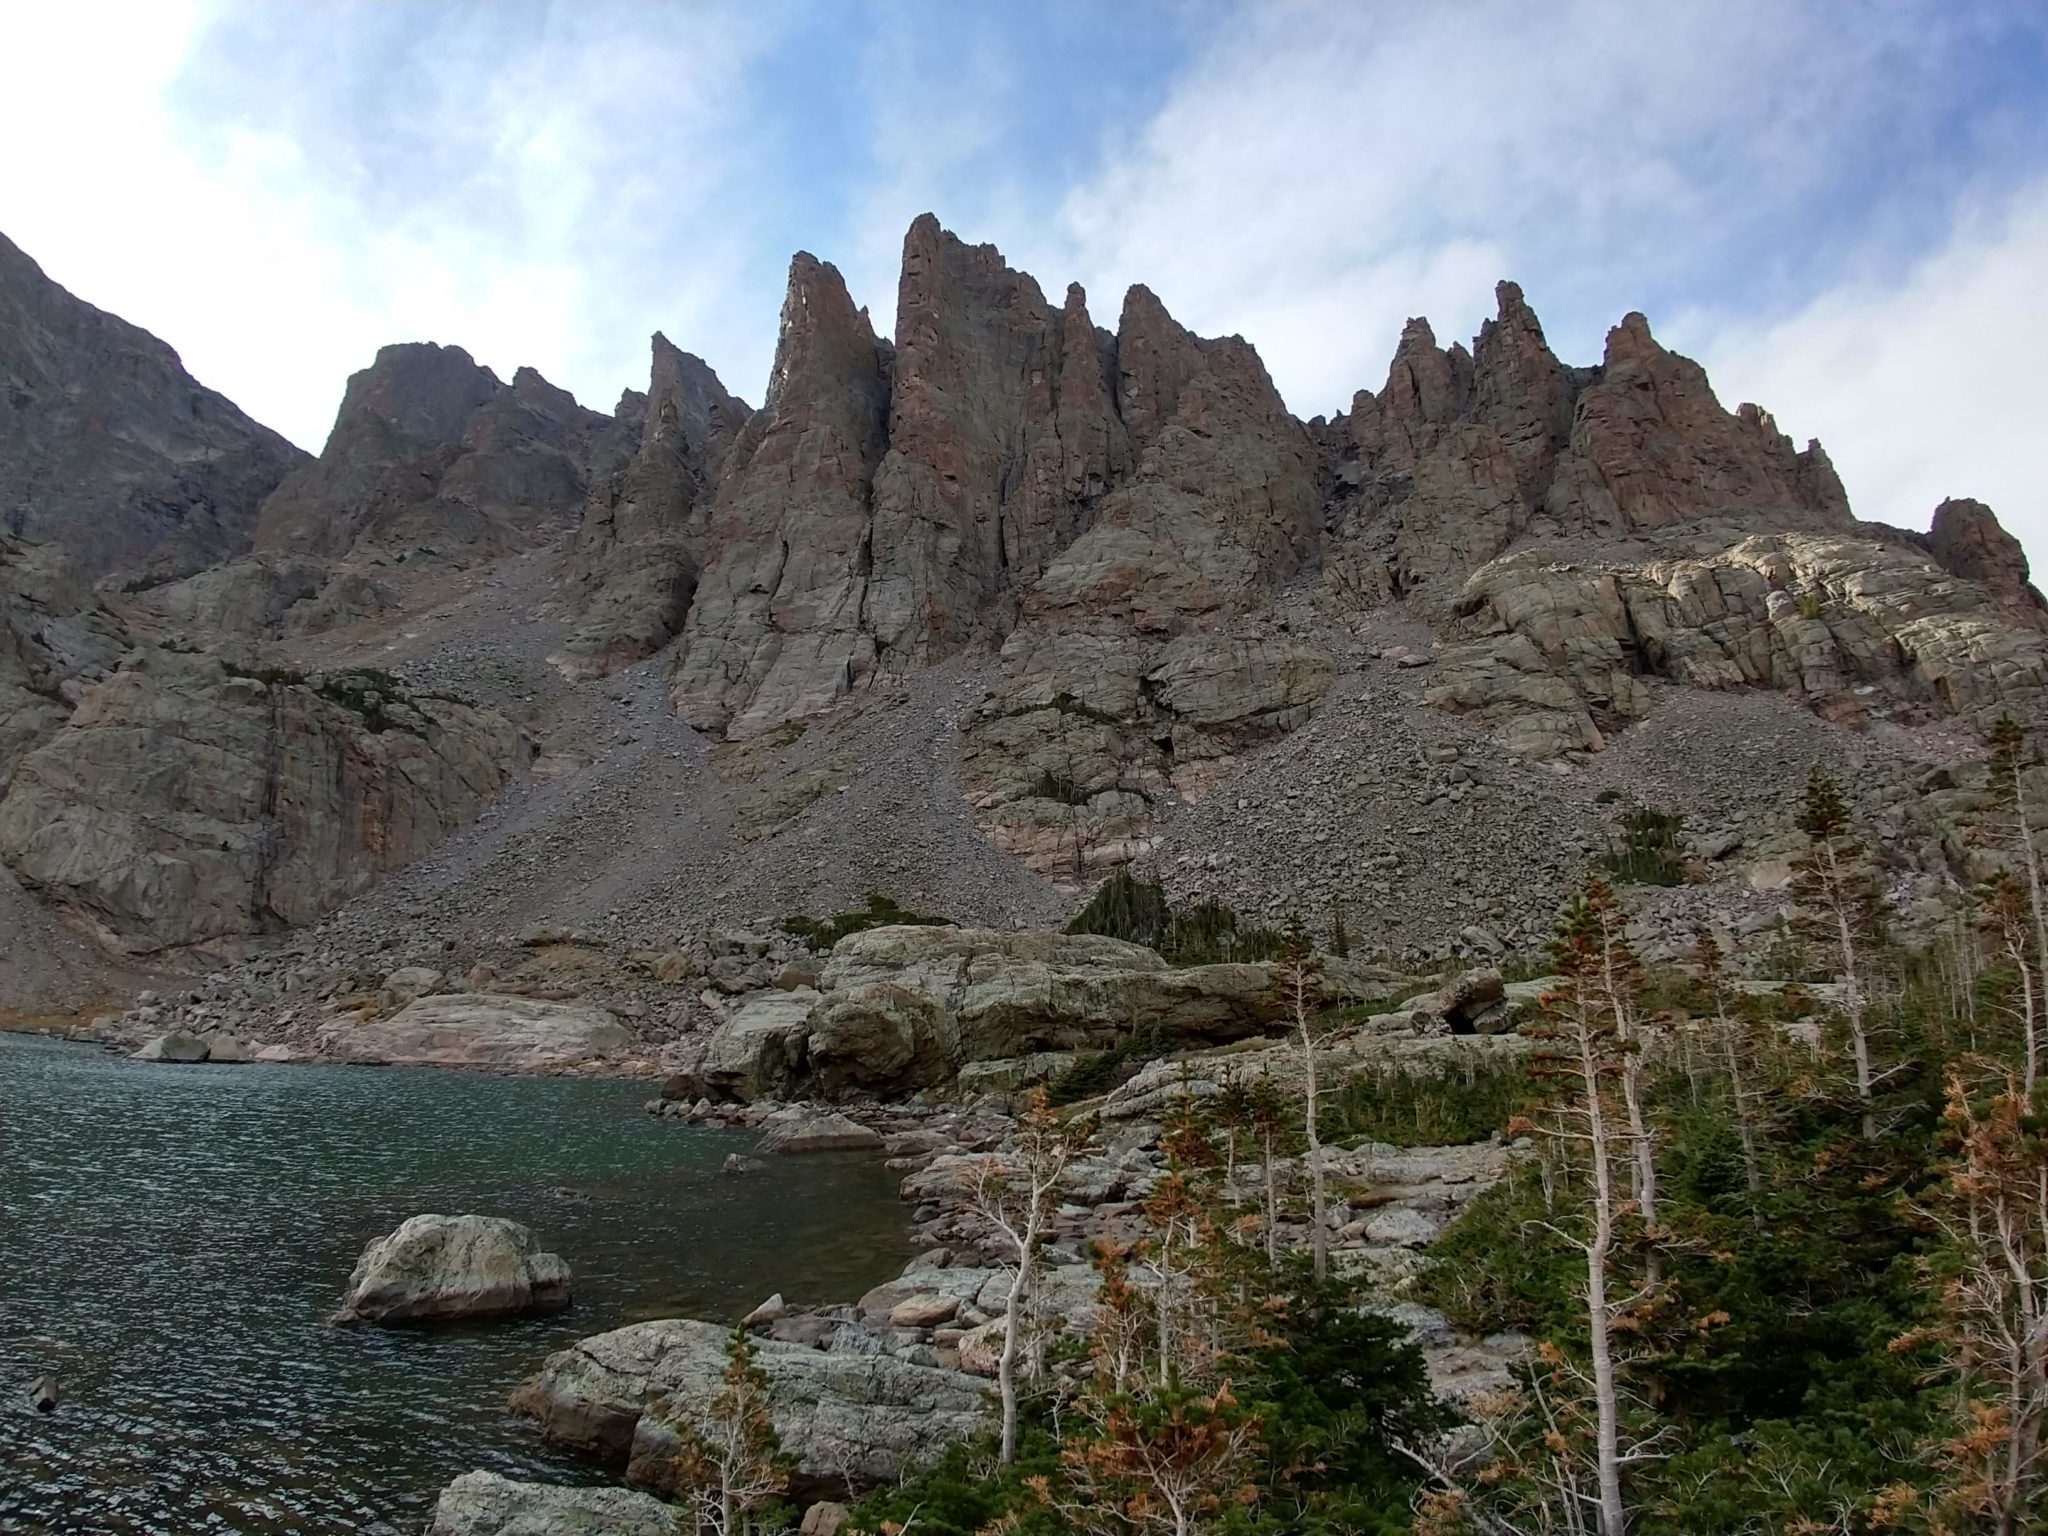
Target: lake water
{"type": "Point", "coordinates": [172, 1237]}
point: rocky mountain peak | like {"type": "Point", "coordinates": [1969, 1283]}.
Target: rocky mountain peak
{"type": "Point", "coordinates": [1967, 540]}
{"type": "Point", "coordinates": [431, 452]}
{"type": "Point", "coordinates": [416, 392]}
{"type": "Point", "coordinates": [109, 448]}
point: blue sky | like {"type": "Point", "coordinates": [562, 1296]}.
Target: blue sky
{"type": "Point", "coordinates": [1842, 210]}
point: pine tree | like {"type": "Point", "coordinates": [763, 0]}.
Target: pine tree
{"type": "Point", "coordinates": [730, 1466]}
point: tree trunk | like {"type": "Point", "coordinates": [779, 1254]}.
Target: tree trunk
{"type": "Point", "coordinates": [1321, 1234]}
{"type": "Point", "coordinates": [1606, 1395]}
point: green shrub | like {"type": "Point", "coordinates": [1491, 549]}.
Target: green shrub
{"type": "Point", "coordinates": [1053, 786]}
{"type": "Point", "coordinates": [1463, 1104]}
{"type": "Point", "coordinates": [880, 912]}
{"type": "Point", "coordinates": [1100, 1071]}
{"type": "Point", "coordinates": [1652, 850]}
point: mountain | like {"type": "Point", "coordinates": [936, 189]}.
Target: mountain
{"type": "Point", "coordinates": [972, 615]}
{"type": "Point", "coordinates": [109, 448]}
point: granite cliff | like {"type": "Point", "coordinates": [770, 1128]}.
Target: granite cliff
{"type": "Point", "coordinates": [973, 612]}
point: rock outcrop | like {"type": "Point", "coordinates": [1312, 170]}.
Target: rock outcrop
{"type": "Point", "coordinates": [444, 1268]}
{"type": "Point", "coordinates": [481, 1031]}
{"type": "Point", "coordinates": [186, 803]}
{"type": "Point", "coordinates": [639, 549]}
{"type": "Point", "coordinates": [1554, 653]}
{"type": "Point", "coordinates": [859, 1418]}
{"type": "Point", "coordinates": [1133, 670]}
{"type": "Point", "coordinates": [485, 1504]}
{"type": "Point", "coordinates": [431, 457]}
{"type": "Point", "coordinates": [903, 1008]}
{"type": "Point", "coordinates": [56, 640]}
{"type": "Point", "coordinates": [109, 448]}
{"type": "Point", "coordinates": [1967, 541]}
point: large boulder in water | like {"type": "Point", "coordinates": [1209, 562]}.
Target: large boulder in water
{"type": "Point", "coordinates": [177, 1045]}
{"type": "Point", "coordinates": [440, 1267]}
{"type": "Point", "coordinates": [481, 1029]}
{"type": "Point", "coordinates": [485, 1504]}
{"type": "Point", "coordinates": [845, 1416]}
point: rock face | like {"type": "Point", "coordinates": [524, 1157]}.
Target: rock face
{"type": "Point", "coordinates": [184, 803]}
{"type": "Point", "coordinates": [903, 1008]}
{"type": "Point", "coordinates": [485, 1504]}
{"type": "Point", "coordinates": [479, 1030]}
{"type": "Point", "coordinates": [640, 546]}
{"type": "Point", "coordinates": [1134, 670]}
{"type": "Point", "coordinates": [1463, 452]}
{"type": "Point", "coordinates": [436, 1268]}
{"type": "Point", "coordinates": [863, 1418]}
{"type": "Point", "coordinates": [108, 448]}
{"type": "Point", "coordinates": [1554, 654]}
{"type": "Point", "coordinates": [1967, 541]}
{"type": "Point", "coordinates": [432, 457]}
{"type": "Point", "coordinates": [777, 629]}
{"type": "Point", "coordinates": [55, 641]}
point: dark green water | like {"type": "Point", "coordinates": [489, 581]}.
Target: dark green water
{"type": "Point", "coordinates": [171, 1238]}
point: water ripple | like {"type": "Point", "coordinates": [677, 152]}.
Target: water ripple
{"type": "Point", "coordinates": [171, 1238]}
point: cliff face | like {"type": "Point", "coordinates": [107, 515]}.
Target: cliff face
{"type": "Point", "coordinates": [108, 448]}
{"type": "Point", "coordinates": [1154, 566]}
{"type": "Point", "coordinates": [634, 567]}
{"type": "Point", "coordinates": [432, 457]}
{"type": "Point", "coordinates": [184, 804]}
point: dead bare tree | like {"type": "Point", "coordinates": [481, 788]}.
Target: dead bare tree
{"type": "Point", "coordinates": [1298, 994]}
{"type": "Point", "coordinates": [1017, 1195]}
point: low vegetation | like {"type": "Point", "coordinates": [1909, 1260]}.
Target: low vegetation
{"type": "Point", "coordinates": [880, 911]}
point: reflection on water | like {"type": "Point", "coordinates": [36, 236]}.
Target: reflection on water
{"type": "Point", "coordinates": [172, 1236]}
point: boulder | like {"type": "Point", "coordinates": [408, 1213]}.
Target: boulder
{"type": "Point", "coordinates": [177, 1045]}
{"type": "Point", "coordinates": [485, 1504]}
{"type": "Point", "coordinates": [798, 1130]}
{"type": "Point", "coordinates": [866, 1419]}
{"type": "Point", "coordinates": [759, 1051]}
{"type": "Point", "coordinates": [444, 1267]}
{"type": "Point", "coordinates": [409, 983]}
{"type": "Point", "coordinates": [1463, 1001]}
{"type": "Point", "coordinates": [222, 1047]}
{"type": "Point", "coordinates": [906, 1007]}
{"type": "Point", "coordinates": [483, 1030]}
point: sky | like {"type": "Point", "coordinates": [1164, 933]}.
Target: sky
{"type": "Point", "coordinates": [1842, 211]}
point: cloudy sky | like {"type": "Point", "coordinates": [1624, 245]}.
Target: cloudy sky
{"type": "Point", "coordinates": [1842, 211]}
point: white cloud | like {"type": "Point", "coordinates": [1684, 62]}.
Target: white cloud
{"type": "Point", "coordinates": [547, 195]}
{"type": "Point", "coordinates": [1921, 387]}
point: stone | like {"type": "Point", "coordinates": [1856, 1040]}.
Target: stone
{"type": "Point", "coordinates": [227, 1048]}
{"type": "Point", "coordinates": [409, 983]}
{"type": "Point", "coordinates": [925, 1310]}
{"type": "Point", "coordinates": [45, 1395]}
{"type": "Point", "coordinates": [797, 1130]}
{"type": "Point", "coordinates": [177, 1045]}
{"type": "Point", "coordinates": [109, 448]}
{"type": "Point", "coordinates": [859, 1419]}
{"type": "Point", "coordinates": [481, 1030]}
{"type": "Point", "coordinates": [486, 1504]}
{"type": "Point", "coordinates": [823, 1518]}
{"type": "Point", "coordinates": [759, 1051]}
{"type": "Point", "coordinates": [770, 1311]}
{"type": "Point", "coordinates": [436, 1268]}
